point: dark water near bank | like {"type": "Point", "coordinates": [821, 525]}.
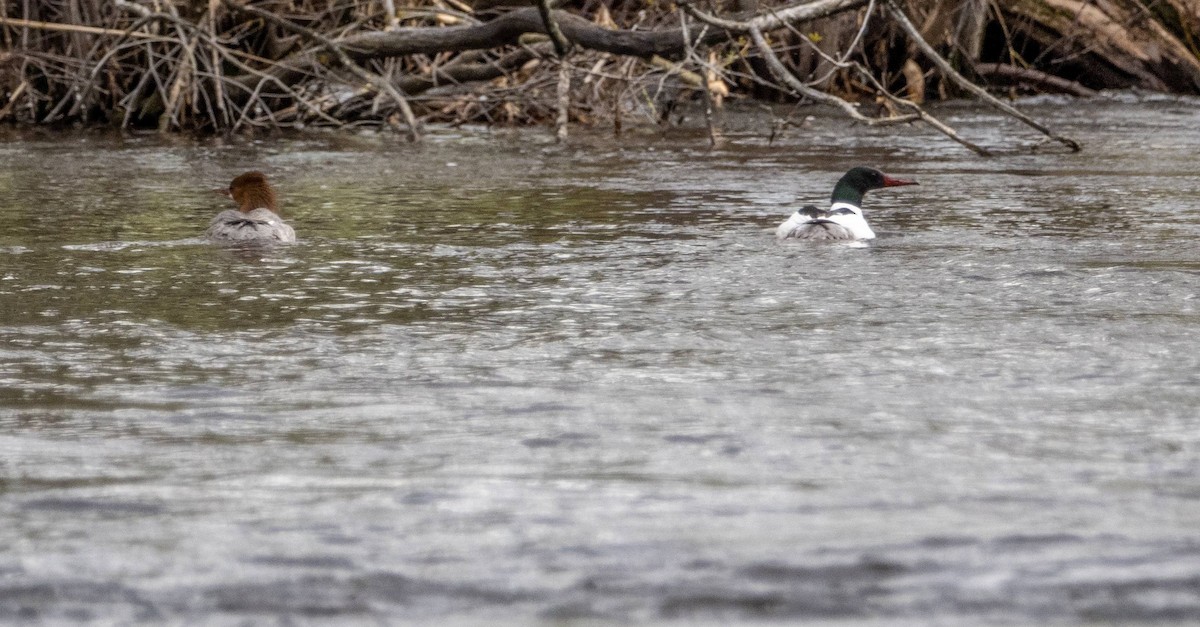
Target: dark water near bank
{"type": "Point", "coordinates": [501, 381]}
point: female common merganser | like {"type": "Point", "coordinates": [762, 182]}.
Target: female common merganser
{"type": "Point", "coordinates": [844, 219]}
{"type": "Point", "coordinates": [255, 220]}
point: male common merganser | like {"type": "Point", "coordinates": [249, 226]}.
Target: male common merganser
{"type": "Point", "coordinates": [844, 219]}
{"type": "Point", "coordinates": [255, 220]}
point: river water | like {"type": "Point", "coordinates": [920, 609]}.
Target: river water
{"type": "Point", "coordinates": [504, 382]}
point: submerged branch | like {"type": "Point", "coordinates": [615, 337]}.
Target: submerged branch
{"type": "Point", "coordinates": [1030, 75]}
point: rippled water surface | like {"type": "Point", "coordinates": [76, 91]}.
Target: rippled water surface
{"type": "Point", "coordinates": [500, 381]}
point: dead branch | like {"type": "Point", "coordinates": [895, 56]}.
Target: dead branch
{"type": "Point", "coordinates": [944, 66]}
{"type": "Point", "coordinates": [508, 29]}
{"type": "Point", "coordinates": [1034, 77]}
{"type": "Point", "coordinates": [562, 48]}
{"type": "Point", "coordinates": [371, 78]}
{"type": "Point", "coordinates": [562, 45]}
{"type": "Point", "coordinates": [562, 100]}
{"type": "Point", "coordinates": [781, 72]}
{"type": "Point", "coordinates": [462, 72]}
{"type": "Point", "coordinates": [70, 28]}
{"type": "Point", "coordinates": [222, 64]}
{"type": "Point", "coordinates": [908, 104]}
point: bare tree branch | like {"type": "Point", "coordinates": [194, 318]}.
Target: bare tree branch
{"type": "Point", "coordinates": [371, 78]}
{"type": "Point", "coordinates": [946, 69]}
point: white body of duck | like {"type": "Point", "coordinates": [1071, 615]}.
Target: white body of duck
{"type": "Point", "coordinates": [257, 225]}
{"type": "Point", "coordinates": [843, 220]}
{"type": "Point", "coordinates": [255, 220]}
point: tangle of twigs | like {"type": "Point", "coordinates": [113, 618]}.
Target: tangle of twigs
{"type": "Point", "coordinates": [237, 65]}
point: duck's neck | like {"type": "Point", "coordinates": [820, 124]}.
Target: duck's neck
{"type": "Point", "coordinates": [846, 192]}
{"type": "Point", "coordinates": [256, 198]}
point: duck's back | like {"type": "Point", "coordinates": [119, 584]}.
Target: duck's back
{"type": "Point", "coordinates": [819, 230]}
{"type": "Point", "coordinates": [259, 225]}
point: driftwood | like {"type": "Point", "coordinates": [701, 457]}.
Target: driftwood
{"type": "Point", "coordinates": [242, 64]}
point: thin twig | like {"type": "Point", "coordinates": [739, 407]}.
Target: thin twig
{"type": "Point", "coordinates": [938, 125]}
{"type": "Point", "coordinates": [70, 28]}
{"type": "Point", "coordinates": [562, 45]}
{"type": "Point", "coordinates": [714, 135]}
{"type": "Point", "coordinates": [379, 82]}
{"type": "Point", "coordinates": [183, 71]}
{"type": "Point", "coordinates": [562, 48]}
{"type": "Point", "coordinates": [755, 30]}
{"type": "Point", "coordinates": [210, 24]}
{"type": "Point", "coordinates": [943, 65]}
{"type": "Point", "coordinates": [390, 18]}
{"type": "Point", "coordinates": [12, 99]}
{"type": "Point", "coordinates": [781, 72]}
{"type": "Point", "coordinates": [563, 101]}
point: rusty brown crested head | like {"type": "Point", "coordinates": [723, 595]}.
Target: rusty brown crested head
{"type": "Point", "coordinates": [252, 191]}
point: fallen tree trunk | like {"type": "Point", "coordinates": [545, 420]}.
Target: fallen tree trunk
{"type": "Point", "coordinates": [1132, 46]}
